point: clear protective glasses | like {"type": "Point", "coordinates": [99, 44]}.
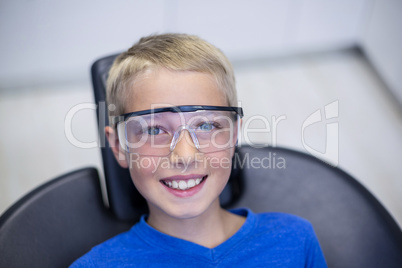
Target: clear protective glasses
{"type": "Point", "coordinates": [156, 132]}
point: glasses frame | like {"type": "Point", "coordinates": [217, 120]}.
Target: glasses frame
{"type": "Point", "coordinates": [176, 109]}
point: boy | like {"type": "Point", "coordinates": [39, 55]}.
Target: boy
{"type": "Point", "coordinates": [175, 127]}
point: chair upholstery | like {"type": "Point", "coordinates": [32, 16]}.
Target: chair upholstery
{"type": "Point", "coordinates": [56, 223]}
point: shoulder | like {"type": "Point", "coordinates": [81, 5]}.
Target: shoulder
{"type": "Point", "coordinates": [283, 225]}
{"type": "Point", "coordinates": [273, 221]}
{"type": "Point", "coordinates": [124, 244]}
{"type": "Point", "coordinates": [282, 238]}
{"type": "Point", "coordinates": [295, 236]}
{"type": "Point", "coordinates": [282, 221]}
{"type": "Point", "coordinates": [276, 226]}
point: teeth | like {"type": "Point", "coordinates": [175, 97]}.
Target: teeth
{"type": "Point", "coordinates": [191, 183]}
{"type": "Point", "coordinates": [182, 184]}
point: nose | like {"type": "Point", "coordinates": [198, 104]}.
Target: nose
{"type": "Point", "coordinates": [184, 147]}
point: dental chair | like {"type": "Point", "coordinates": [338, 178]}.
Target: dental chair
{"type": "Point", "coordinates": [61, 220]}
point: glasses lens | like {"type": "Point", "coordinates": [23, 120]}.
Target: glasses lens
{"type": "Point", "coordinates": [152, 134]}
{"type": "Point", "coordinates": [215, 130]}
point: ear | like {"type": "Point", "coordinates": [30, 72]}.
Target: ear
{"type": "Point", "coordinates": [118, 151]}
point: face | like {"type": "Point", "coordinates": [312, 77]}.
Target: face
{"type": "Point", "coordinates": [161, 180]}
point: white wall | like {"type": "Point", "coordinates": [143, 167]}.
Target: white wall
{"type": "Point", "coordinates": [46, 41]}
{"type": "Point", "coordinates": [382, 41]}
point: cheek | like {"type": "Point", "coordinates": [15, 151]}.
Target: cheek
{"type": "Point", "coordinates": [220, 167]}
{"type": "Point", "coordinates": [221, 160]}
{"type": "Point", "coordinates": [142, 164]}
{"type": "Point", "coordinates": [221, 164]}
{"type": "Point", "coordinates": [142, 170]}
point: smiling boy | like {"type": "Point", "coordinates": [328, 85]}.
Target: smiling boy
{"type": "Point", "coordinates": [176, 111]}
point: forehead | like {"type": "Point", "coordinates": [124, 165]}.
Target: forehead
{"type": "Point", "coordinates": [161, 88]}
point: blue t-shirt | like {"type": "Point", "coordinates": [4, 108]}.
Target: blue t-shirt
{"type": "Point", "coordinates": [264, 240]}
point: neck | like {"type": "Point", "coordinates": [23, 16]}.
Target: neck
{"type": "Point", "coordinates": [210, 229]}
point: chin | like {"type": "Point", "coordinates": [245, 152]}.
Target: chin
{"type": "Point", "coordinates": [188, 210]}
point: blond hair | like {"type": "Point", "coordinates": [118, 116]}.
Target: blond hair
{"type": "Point", "coordinates": [175, 52]}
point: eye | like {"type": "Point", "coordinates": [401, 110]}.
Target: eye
{"type": "Point", "coordinates": [153, 131]}
{"type": "Point", "coordinates": [207, 126]}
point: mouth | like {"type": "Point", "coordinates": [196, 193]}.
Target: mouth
{"type": "Point", "coordinates": [183, 184]}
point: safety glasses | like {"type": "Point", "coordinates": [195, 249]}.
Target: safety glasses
{"type": "Point", "coordinates": [156, 132]}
